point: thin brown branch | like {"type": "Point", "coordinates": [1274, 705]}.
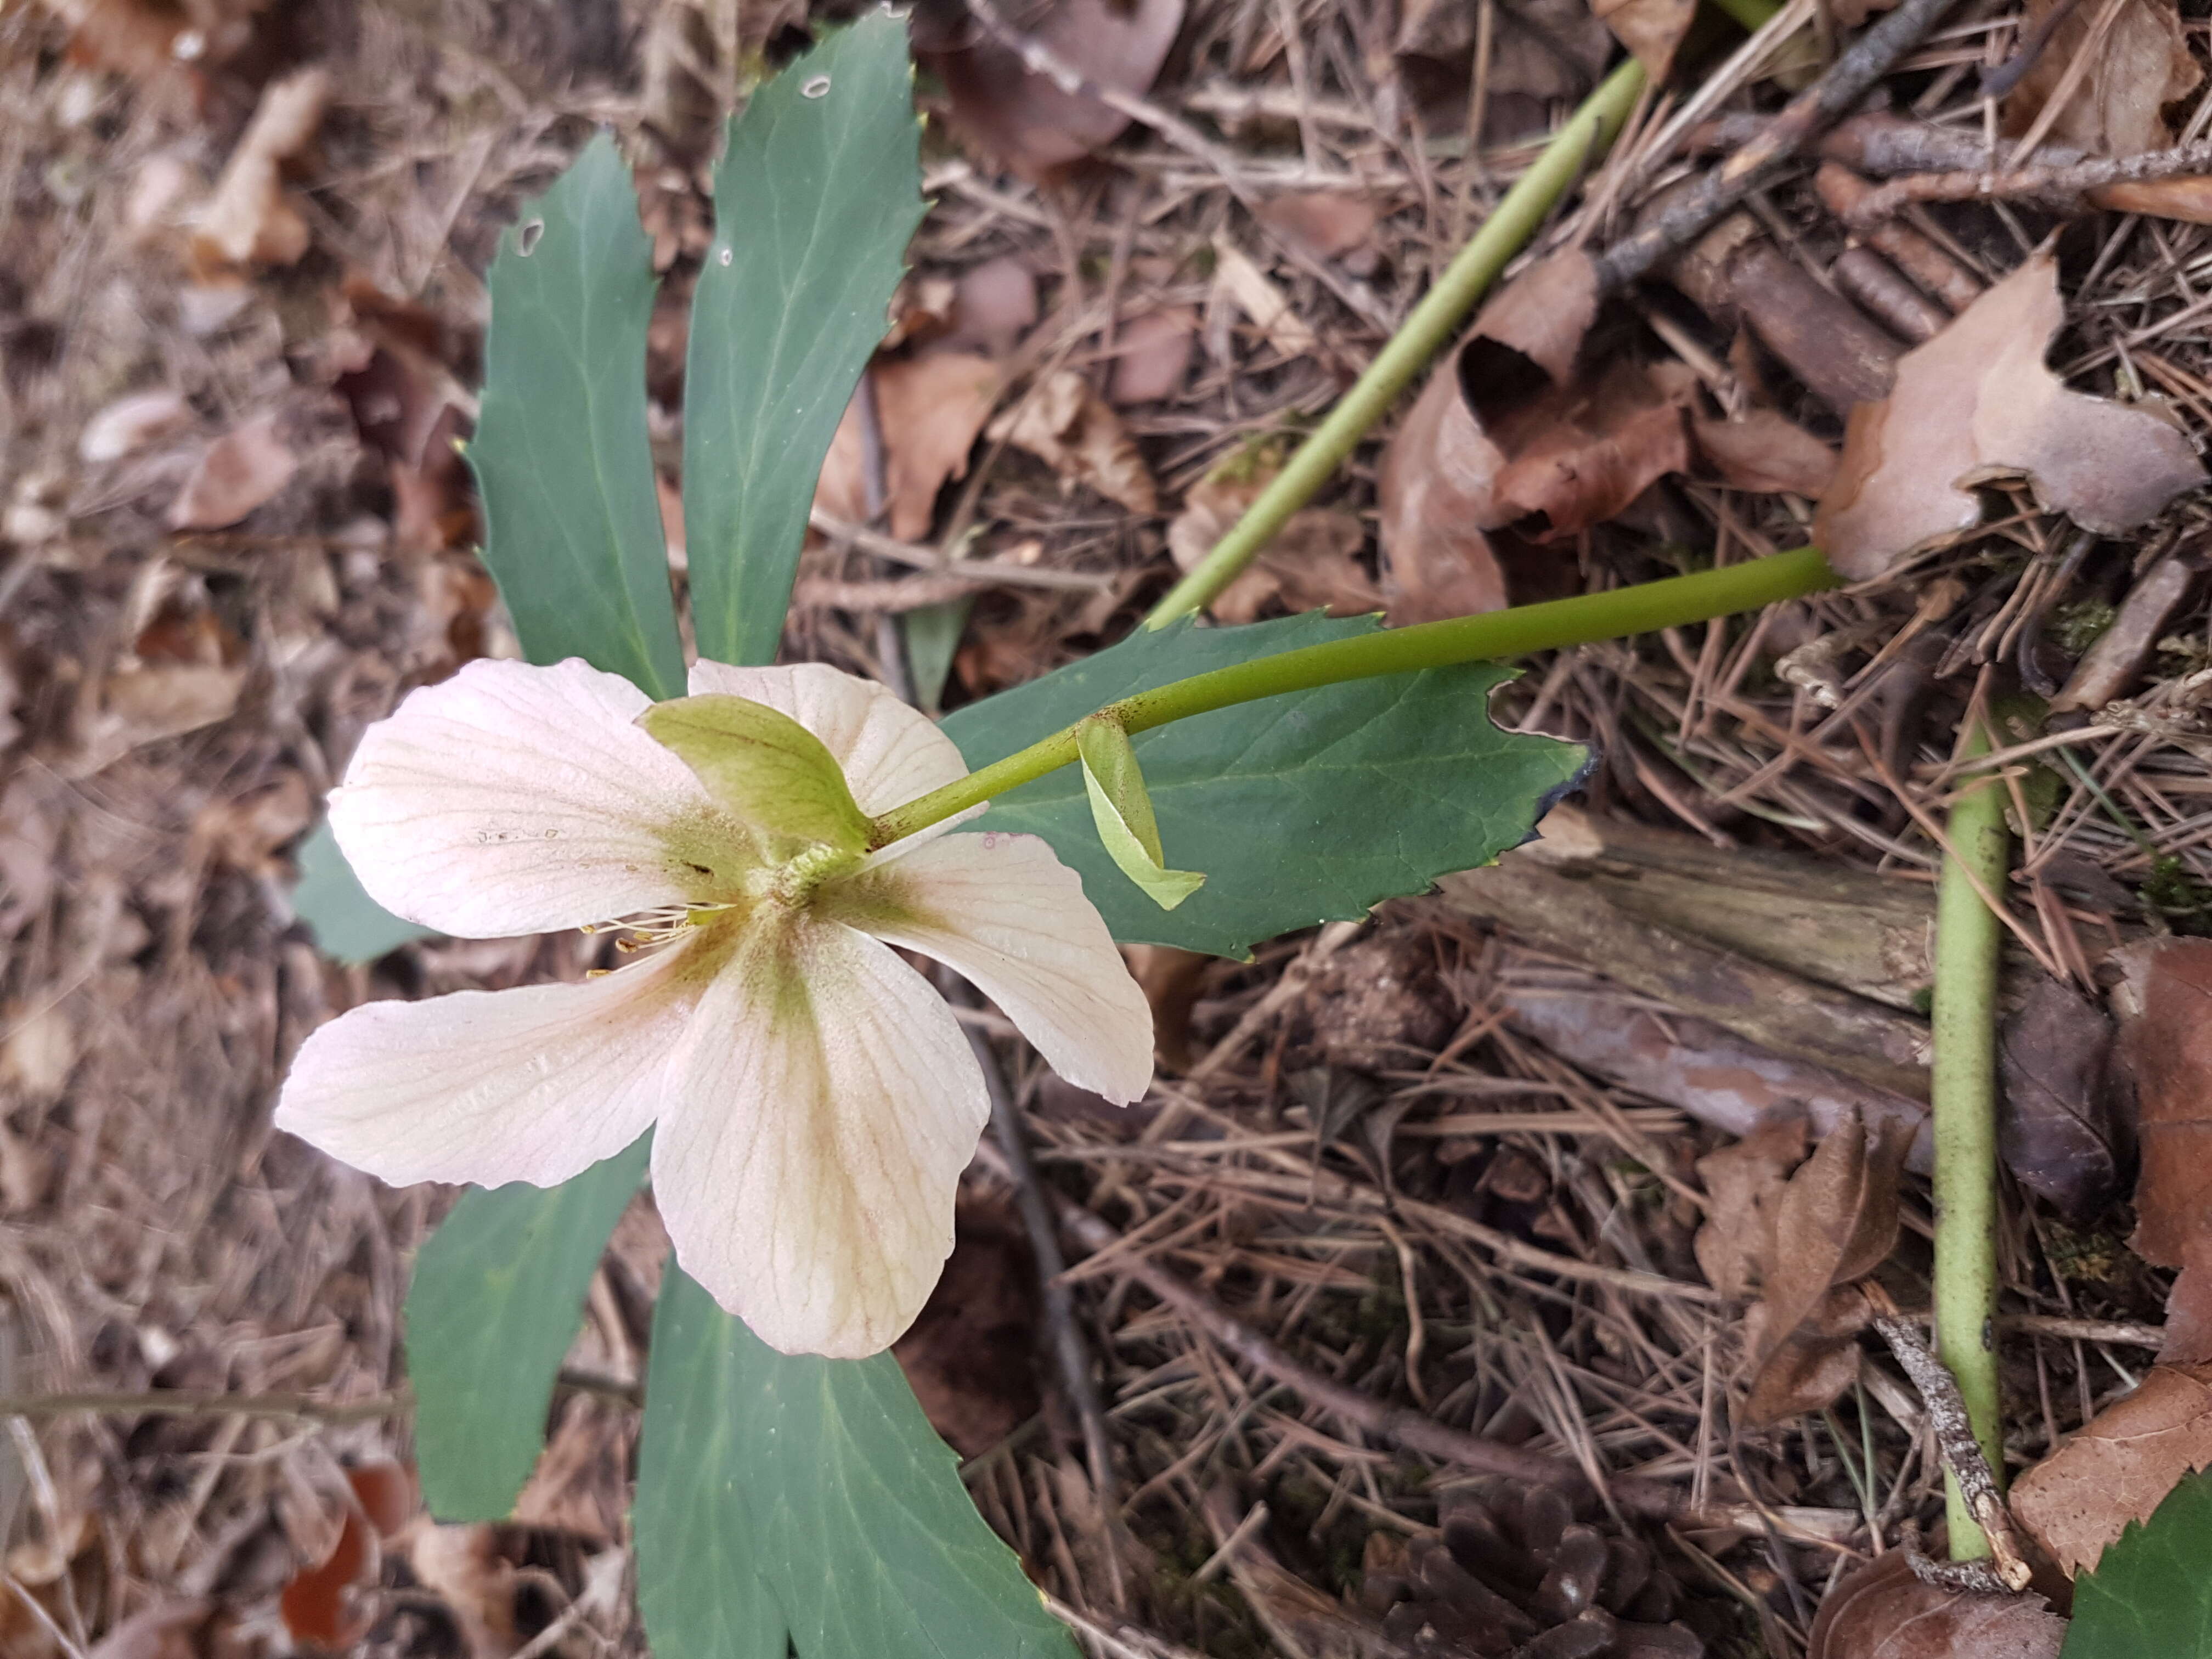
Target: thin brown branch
{"type": "Point", "coordinates": [2059, 185]}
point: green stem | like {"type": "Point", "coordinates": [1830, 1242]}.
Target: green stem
{"type": "Point", "coordinates": [1498, 634]}
{"type": "Point", "coordinates": [1964, 1089]}
{"type": "Point", "coordinates": [1419, 338]}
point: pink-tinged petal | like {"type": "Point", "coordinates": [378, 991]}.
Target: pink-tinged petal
{"type": "Point", "coordinates": [890, 752]}
{"type": "Point", "coordinates": [821, 1111]}
{"type": "Point", "coordinates": [518, 800]}
{"type": "Point", "coordinates": [1003, 911]}
{"type": "Point", "coordinates": [533, 1084]}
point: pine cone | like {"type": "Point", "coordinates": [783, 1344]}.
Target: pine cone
{"type": "Point", "coordinates": [1515, 1578]}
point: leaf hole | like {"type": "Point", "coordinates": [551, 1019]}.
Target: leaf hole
{"type": "Point", "coordinates": [817, 86]}
{"type": "Point", "coordinates": [528, 236]}
{"type": "Point", "coordinates": [723, 256]}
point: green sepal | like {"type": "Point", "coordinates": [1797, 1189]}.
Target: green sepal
{"type": "Point", "coordinates": [1123, 809]}
{"type": "Point", "coordinates": [763, 766]}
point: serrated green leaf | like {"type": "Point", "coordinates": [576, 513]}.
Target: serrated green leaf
{"type": "Point", "coordinates": [1305, 808]}
{"type": "Point", "coordinates": [815, 197]}
{"type": "Point", "coordinates": [572, 519]}
{"type": "Point", "coordinates": [349, 924]}
{"type": "Point", "coordinates": [1122, 811]}
{"type": "Point", "coordinates": [763, 766]}
{"type": "Point", "coordinates": [497, 1294]}
{"type": "Point", "coordinates": [2150, 1594]}
{"type": "Point", "coordinates": [823, 1477]}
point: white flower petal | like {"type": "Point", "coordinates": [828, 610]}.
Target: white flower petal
{"type": "Point", "coordinates": [890, 752]}
{"type": "Point", "coordinates": [1003, 911]}
{"type": "Point", "coordinates": [517, 800]}
{"type": "Point", "coordinates": [533, 1084]}
{"type": "Point", "coordinates": [821, 1111]}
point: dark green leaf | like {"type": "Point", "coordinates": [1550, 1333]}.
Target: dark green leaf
{"type": "Point", "coordinates": [2150, 1594]}
{"type": "Point", "coordinates": [347, 923]}
{"type": "Point", "coordinates": [1304, 808]}
{"type": "Point", "coordinates": [933, 634]}
{"type": "Point", "coordinates": [814, 202]}
{"type": "Point", "coordinates": [824, 1478]}
{"type": "Point", "coordinates": [573, 528]}
{"type": "Point", "coordinates": [497, 1296]}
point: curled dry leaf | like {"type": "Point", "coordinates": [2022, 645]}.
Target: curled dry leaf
{"type": "Point", "coordinates": [1151, 354]}
{"type": "Point", "coordinates": [1540, 50]}
{"type": "Point", "coordinates": [2119, 1467]}
{"type": "Point", "coordinates": [1241, 283]}
{"type": "Point", "coordinates": [929, 409]}
{"type": "Point", "coordinates": [1068, 427]}
{"type": "Point", "coordinates": [1744, 1182]}
{"type": "Point", "coordinates": [2054, 1054]}
{"type": "Point", "coordinates": [1328, 224]}
{"type": "Point", "coordinates": [1764, 451]}
{"type": "Point", "coordinates": [993, 305]}
{"type": "Point", "coordinates": [1652, 30]}
{"type": "Point", "coordinates": [1511, 435]}
{"type": "Point", "coordinates": [237, 472]}
{"type": "Point", "coordinates": [2165, 1000]}
{"type": "Point", "coordinates": [1977, 403]}
{"type": "Point", "coordinates": [249, 220]}
{"type": "Point", "coordinates": [1027, 121]}
{"type": "Point", "coordinates": [969, 1356]}
{"type": "Point", "coordinates": [1834, 1224]}
{"type": "Point", "coordinates": [1881, 1611]}
{"type": "Point", "coordinates": [1309, 565]}
{"type": "Point", "coordinates": [2139, 63]}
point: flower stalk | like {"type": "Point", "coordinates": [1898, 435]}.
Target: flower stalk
{"type": "Point", "coordinates": [1491, 636]}
{"type": "Point", "coordinates": [1963, 1088]}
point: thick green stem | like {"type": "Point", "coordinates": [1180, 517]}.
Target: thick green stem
{"type": "Point", "coordinates": [1498, 633]}
{"type": "Point", "coordinates": [1964, 1089]}
{"type": "Point", "coordinates": [1419, 338]}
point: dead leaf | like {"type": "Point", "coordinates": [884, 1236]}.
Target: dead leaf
{"type": "Point", "coordinates": [1068, 427]}
{"type": "Point", "coordinates": [2166, 1038]}
{"type": "Point", "coordinates": [1308, 564]}
{"type": "Point", "coordinates": [1834, 1223]}
{"type": "Point", "coordinates": [1540, 50]}
{"type": "Point", "coordinates": [322, 1605]}
{"type": "Point", "coordinates": [1027, 122]}
{"type": "Point", "coordinates": [1977, 403]}
{"type": "Point", "coordinates": [970, 1354]}
{"type": "Point", "coordinates": [463, 1567]}
{"type": "Point", "coordinates": [239, 471]}
{"type": "Point", "coordinates": [2139, 64]}
{"type": "Point", "coordinates": [1151, 354]}
{"type": "Point", "coordinates": [1253, 292]}
{"type": "Point", "coordinates": [1328, 224]}
{"type": "Point", "coordinates": [130, 424]}
{"type": "Point", "coordinates": [1518, 435]}
{"type": "Point", "coordinates": [1879, 1610]}
{"type": "Point", "coordinates": [929, 409]}
{"type": "Point", "coordinates": [250, 221]}
{"type": "Point", "coordinates": [993, 305]}
{"type": "Point", "coordinates": [1172, 979]}
{"type": "Point", "coordinates": [1744, 1182]}
{"type": "Point", "coordinates": [246, 833]}
{"type": "Point", "coordinates": [1764, 451]}
{"type": "Point", "coordinates": [2054, 1053]}
{"type": "Point", "coordinates": [2119, 1467]}
{"type": "Point", "coordinates": [1652, 30]}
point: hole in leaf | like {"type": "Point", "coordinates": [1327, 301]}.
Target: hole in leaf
{"type": "Point", "coordinates": [526, 239]}
{"type": "Point", "coordinates": [817, 87]}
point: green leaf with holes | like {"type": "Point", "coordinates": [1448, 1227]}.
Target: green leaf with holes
{"type": "Point", "coordinates": [819, 1483]}
{"type": "Point", "coordinates": [497, 1294]}
{"type": "Point", "coordinates": [815, 197]}
{"type": "Point", "coordinates": [2150, 1594]}
{"type": "Point", "coordinates": [1304, 808]}
{"type": "Point", "coordinates": [572, 517]}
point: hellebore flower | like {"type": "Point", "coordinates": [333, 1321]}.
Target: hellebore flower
{"type": "Point", "coordinates": [815, 1099]}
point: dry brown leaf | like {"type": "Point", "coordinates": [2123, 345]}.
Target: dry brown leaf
{"type": "Point", "coordinates": [239, 471]}
{"type": "Point", "coordinates": [249, 220]}
{"type": "Point", "coordinates": [1513, 435]}
{"type": "Point", "coordinates": [1835, 1223]}
{"type": "Point", "coordinates": [1744, 1182]}
{"type": "Point", "coordinates": [2139, 64]}
{"type": "Point", "coordinates": [1253, 292]}
{"type": "Point", "coordinates": [1881, 1611]}
{"type": "Point", "coordinates": [1652, 30]}
{"type": "Point", "coordinates": [1069, 426]}
{"type": "Point", "coordinates": [1540, 50]}
{"type": "Point", "coordinates": [1764, 451]}
{"type": "Point", "coordinates": [929, 409]}
{"type": "Point", "coordinates": [1977, 403]}
{"type": "Point", "coordinates": [463, 1567]}
{"type": "Point", "coordinates": [1172, 980]}
{"type": "Point", "coordinates": [2054, 1053]}
{"type": "Point", "coordinates": [1024, 119]}
{"type": "Point", "coordinates": [2119, 1467]}
{"type": "Point", "coordinates": [993, 305]}
{"type": "Point", "coordinates": [1151, 354]}
{"type": "Point", "coordinates": [1308, 564]}
{"type": "Point", "coordinates": [2167, 1039]}
{"type": "Point", "coordinates": [969, 1355]}
{"type": "Point", "coordinates": [1328, 224]}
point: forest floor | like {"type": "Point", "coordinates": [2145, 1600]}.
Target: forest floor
{"type": "Point", "coordinates": [1476, 1157]}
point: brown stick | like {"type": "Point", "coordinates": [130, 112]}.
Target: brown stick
{"type": "Point", "coordinates": [1916, 255]}
{"type": "Point", "coordinates": [1814, 110]}
{"type": "Point", "coordinates": [2060, 185]}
